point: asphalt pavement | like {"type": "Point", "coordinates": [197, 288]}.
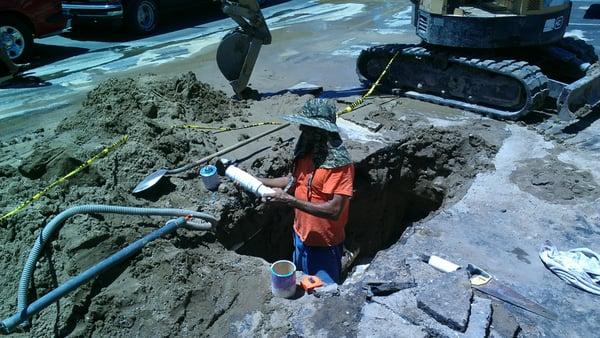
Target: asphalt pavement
{"type": "Point", "coordinates": [313, 41]}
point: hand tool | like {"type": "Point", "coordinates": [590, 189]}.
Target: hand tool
{"type": "Point", "coordinates": [483, 281]}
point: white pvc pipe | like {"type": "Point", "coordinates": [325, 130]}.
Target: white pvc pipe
{"type": "Point", "coordinates": [247, 181]}
{"type": "Point", "coordinates": [442, 264]}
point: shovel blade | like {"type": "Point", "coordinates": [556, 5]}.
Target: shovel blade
{"type": "Point", "coordinates": [150, 180]}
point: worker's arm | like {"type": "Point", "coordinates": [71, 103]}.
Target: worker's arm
{"type": "Point", "coordinates": [279, 182]}
{"type": "Point", "coordinates": [330, 209]}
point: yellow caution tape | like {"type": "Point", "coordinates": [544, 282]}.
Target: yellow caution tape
{"type": "Point", "coordinates": [224, 129]}
{"type": "Point", "coordinates": [370, 91]}
{"type": "Point", "coordinates": [258, 124]}
{"type": "Point", "coordinates": [195, 126]}
{"type": "Point", "coordinates": [63, 179]}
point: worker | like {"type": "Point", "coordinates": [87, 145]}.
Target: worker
{"type": "Point", "coordinates": [322, 185]}
{"type": "Point", "coordinates": [7, 63]}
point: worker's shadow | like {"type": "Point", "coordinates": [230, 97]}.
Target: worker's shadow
{"type": "Point", "coordinates": [23, 81]}
{"type": "Point", "coordinates": [327, 94]}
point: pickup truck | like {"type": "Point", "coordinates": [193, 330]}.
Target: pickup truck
{"type": "Point", "coordinates": [23, 20]}
{"type": "Point", "coordinates": [141, 16]}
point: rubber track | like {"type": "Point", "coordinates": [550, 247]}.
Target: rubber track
{"type": "Point", "coordinates": [533, 80]}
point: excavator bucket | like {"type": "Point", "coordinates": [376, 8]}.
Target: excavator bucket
{"type": "Point", "coordinates": [580, 97]}
{"type": "Point", "coordinates": [238, 50]}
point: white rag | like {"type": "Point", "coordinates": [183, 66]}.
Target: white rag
{"type": "Point", "coordinates": [578, 267]}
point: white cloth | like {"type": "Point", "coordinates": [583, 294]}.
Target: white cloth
{"type": "Point", "coordinates": [578, 267]}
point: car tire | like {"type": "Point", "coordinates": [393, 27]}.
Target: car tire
{"type": "Point", "coordinates": [16, 37]}
{"type": "Point", "coordinates": [142, 16]}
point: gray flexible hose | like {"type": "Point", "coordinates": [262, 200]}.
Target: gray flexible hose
{"type": "Point", "coordinates": [57, 222]}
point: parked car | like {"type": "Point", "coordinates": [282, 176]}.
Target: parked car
{"type": "Point", "coordinates": [140, 15]}
{"type": "Point", "coordinates": [23, 20]}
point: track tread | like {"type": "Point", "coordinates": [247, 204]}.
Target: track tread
{"type": "Point", "coordinates": [534, 81]}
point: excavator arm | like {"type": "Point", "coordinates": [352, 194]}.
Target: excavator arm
{"type": "Point", "coordinates": [238, 50]}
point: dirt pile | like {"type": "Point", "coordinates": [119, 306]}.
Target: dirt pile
{"type": "Point", "coordinates": [194, 270]}
{"type": "Point", "coordinates": [553, 180]}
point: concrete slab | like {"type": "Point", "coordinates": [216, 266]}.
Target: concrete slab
{"type": "Point", "coordinates": [503, 323]}
{"type": "Point", "coordinates": [447, 299]}
{"type": "Point", "coordinates": [480, 318]}
{"type": "Point", "coordinates": [379, 321]}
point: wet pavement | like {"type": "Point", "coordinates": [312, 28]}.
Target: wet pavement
{"type": "Point", "coordinates": [314, 41]}
{"type": "Point", "coordinates": [496, 224]}
{"type": "Point", "coordinates": [298, 29]}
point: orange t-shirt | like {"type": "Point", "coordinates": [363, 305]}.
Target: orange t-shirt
{"type": "Point", "coordinates": [313, 230]}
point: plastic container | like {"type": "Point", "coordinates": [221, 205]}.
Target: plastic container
{"type": "Point", "coordinates": [210, 178]}
{"type": "Point", "coordinates": [283, 279]}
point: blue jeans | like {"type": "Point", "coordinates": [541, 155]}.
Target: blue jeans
{"type": "Point", "coordinates": [324, 262]}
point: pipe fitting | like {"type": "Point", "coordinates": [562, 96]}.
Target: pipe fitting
{"type": "Point", "coordinates": [191, 225]}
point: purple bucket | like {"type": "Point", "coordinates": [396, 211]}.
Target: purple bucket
{"type": "Point", "coordinates": [283, 279]}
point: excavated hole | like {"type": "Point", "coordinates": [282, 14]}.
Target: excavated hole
{"type": "Point", "coordinates": [394, 187]}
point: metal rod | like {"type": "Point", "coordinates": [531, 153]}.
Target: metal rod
{"type": "Point", "coordinates": [226, 150]}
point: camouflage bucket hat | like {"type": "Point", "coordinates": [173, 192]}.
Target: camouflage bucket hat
{"type": "Point", "coordinates": [319, 113]}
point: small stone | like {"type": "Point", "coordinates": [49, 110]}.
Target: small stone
{"type": "Point", "coordinates": [223, 189]}
{"type": "Point", "coordinates": [447, 299]}
{"type": "Point", "coordinates": [371, 125]}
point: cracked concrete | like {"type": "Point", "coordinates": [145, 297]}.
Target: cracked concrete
{"type": "Point", "coordinates": [483, 212]}
{"type": "Point", "coordinates": [447, 299]}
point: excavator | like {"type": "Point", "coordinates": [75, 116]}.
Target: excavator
{"type": "Point", "coordinates": [499, 58]}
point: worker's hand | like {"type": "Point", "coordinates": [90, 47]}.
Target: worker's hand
{"type": "Point", "coordinates": [278, 197]}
